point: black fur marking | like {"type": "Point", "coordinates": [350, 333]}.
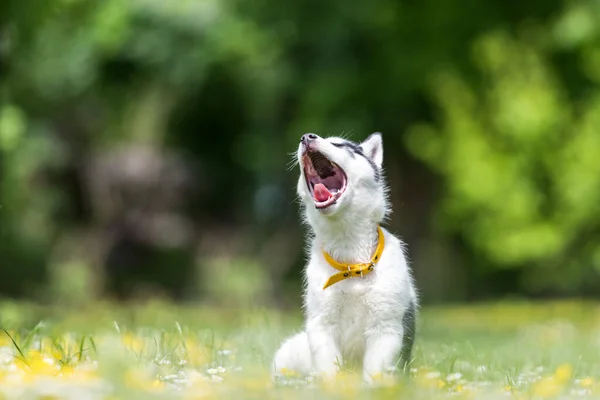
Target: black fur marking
{"type": "Point", "coordinates": [375, 169]}
{"type": "Point", "coordinates": [354, 149]}
{"type": "Point", "coordinates": [409, 323]}
{"type": "Point", "coordinates": [347, 145]}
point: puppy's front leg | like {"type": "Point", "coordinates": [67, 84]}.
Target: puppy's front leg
{"type": "Point", "coordinates": [382, 352]}
{"type": "Point", "coordinates": [325, 352]}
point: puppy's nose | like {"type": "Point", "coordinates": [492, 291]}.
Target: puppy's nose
{"type": "Point", "coordinates": [309, 137]}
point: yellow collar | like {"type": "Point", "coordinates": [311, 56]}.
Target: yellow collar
{"type": "Point", "coordinates": [351, 270]}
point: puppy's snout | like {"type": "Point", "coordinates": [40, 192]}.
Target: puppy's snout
{"type": "Point", "coordinates": [309, 137]}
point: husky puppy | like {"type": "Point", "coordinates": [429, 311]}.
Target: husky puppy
{"type": "Point", "coordinates": [359, 300]}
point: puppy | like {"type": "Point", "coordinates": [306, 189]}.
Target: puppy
{"type": "Point", "coordinates": [360, 302]}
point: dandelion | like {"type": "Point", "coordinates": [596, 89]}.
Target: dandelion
{"type": "Point", "coordinates": [287, 372]}
{"type": "Point", "coordinates": [431, 380]}
{"type": "Point", "coordinates": [36, 363]}
{"type": "Point", "coordinates": [586, 382]}
{"type": "Point", "coordinates": [563, 373]}
{"type": "Point", "coordinates": [133, 342]}
{"type": "Point", "coordinates": [157, 384]}
{"type": "Point", "coordinates": [548, 388]}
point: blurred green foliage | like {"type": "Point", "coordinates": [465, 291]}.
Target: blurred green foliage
{"type": "Point", "coordinates": [518, 150]}
{"type": "Point", "coordinates": [144, 139]}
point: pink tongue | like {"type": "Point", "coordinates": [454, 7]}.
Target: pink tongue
{"type": "Point", "coordinates": [321, 193]}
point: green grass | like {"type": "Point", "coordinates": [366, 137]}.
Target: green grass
{"type": "Point", "coordinates": [158, 350]}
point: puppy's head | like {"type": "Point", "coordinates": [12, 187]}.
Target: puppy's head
{"type": "Point", "coordinates": [340, 178]}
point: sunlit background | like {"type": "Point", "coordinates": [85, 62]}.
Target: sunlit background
{"type": "Point", "coordinates": [145, 144]}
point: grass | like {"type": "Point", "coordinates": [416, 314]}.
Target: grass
{"type": "Point", "coordinates": [158, 350]}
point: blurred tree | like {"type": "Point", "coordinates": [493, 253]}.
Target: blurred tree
{"type": "Point", "coordinates": [517, 149]}
{"type": "Point", "coordinates": [155, 136]}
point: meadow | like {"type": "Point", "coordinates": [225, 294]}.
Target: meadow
{"type": "Point", "coordinates": [159, 350]}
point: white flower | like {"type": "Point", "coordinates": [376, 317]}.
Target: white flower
{"type": "Point", "coordinates": [454, 377]}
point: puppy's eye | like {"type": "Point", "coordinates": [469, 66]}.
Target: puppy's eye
{"type": "Point", "coordinates": [339, 145]}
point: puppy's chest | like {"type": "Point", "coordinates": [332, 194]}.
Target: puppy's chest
{"type": "Point", "coordinates": [347, 303]}
{"type": "Point", "coordinates": [350, 311]}
{"type": "Point", "coordinates": [348, 306]}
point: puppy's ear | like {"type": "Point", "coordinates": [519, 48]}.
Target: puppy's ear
{"type": "Point", "coordinates": [373, 148]}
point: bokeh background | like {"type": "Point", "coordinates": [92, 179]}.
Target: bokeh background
{"type": "Point", "coordinates": [144, 144]}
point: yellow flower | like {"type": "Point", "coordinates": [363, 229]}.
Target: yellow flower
{"type": "Point", "coordinates": [288, 372]}
{"type": "Point", "coordinates": [158, 385]}
{"type": "Point", "coordinates": [5, 340]}
{"type": "Point", "coordinates": [135, 379]}
{"type": "Point", "coordinates": [383, 380]}
{"type": "Point", "coordinates": [56, 354]}
{"type": "Point", "coordinates": [345, 382]}
{"type": "Point", "coordinates": [67, 371]}
{"type": "Point", "coordinates": [377, 377]}
{"type": "Point", "coordinates": [37, 364]}
{"type": "Point", "coordinates": [547, 388]}
{"type": "Point", "coordinates": [133, 342]}
{"type": "Point", "coordinates": [563, 373]}
{"type": "Point", "coordinates": [430, 379]}
{"type": "Point", "coordinates": [586, 382]}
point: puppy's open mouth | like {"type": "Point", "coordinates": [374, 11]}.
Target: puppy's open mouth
{"type": "Point", "coordinates": [326, 180]}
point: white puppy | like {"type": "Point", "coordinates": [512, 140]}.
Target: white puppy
{"type": "Point", "coordinates": [360, 302]}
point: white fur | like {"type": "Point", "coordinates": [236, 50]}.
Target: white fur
{"type": "Point", "coordinates": [357, 320]}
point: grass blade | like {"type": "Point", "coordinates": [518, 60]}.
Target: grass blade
{"type": "Point", "coordinates": [31, 335]}
{"type": "Point", "coordinates": [91, 340]}
{"type": "Point", "coordinates": [80, 356]}
{"type": "Point", "coordinates": [17, 347]}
